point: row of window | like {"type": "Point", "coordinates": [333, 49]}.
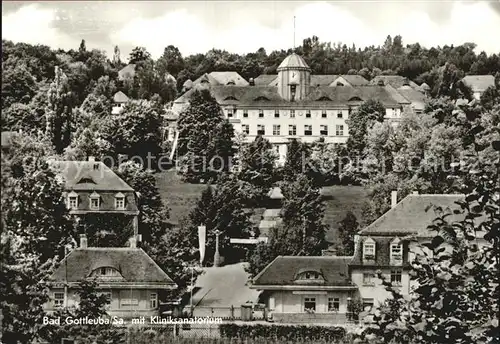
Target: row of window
{"type": "Point", "coordinates": [396, 251]}
{"type": "Point", "coordinates": [153, 300]}
{"type": "Point", "coordinates": [292, 130]}
{"type": "Point", "coordinates": [95, 201]}
{"type": "Point", "coordinates": [232, 112]}
{"type": "Point", "coordinates": [395, 277]}
{"type": "Point", "coordinates": [310, 304]}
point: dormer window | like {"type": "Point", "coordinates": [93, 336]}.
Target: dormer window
{"type": "Point", "coordinates": [369, 249]}
{"type": "Point", "coordinates": [73, 200]}
{"type": "Point", "coordinates": [340, 84]}
{"type": "Point", "coordinates": [95, 201]}
{"type": "Point", "coordinates": [308, 275]}
{"type": "Point", "coordinates": [396, 252]}
{"type": "Point", "coordinates": [106, 272]}
{"type": "Point", "coordinates": [120, 201]}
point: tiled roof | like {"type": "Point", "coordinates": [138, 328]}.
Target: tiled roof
{"type": "Point", "coordinates": [134, 265]}
{"type": "Point", "coordinates": [293, 61]}
{"type": "Point", "coordinates": [355, 80]}
{"type": "Point", "coordinates": [413, 215]}
{"type": "Point", "coordinates": [323, 79]}
{"type": "Point", "coordinates": [395, 81]}
{"type": "Point", "coordinates": [120, 97]}
{"type": "Point", "coordinates": [265, 79]}
{"type": "Point", "coordinates": [283, 270]}
{"type": "Point", "coordinates": [224, 77]}
{"type": "Point", "coordinates": [7, 137]}
{"type": "Point", "coordinates": [89, 175]}
{"type": "Point", "coordinates": [268, 96]}
{"type": "Point", "coordinates": [479, 83]}
{"type": "Point", "coordinates": [417, 98]}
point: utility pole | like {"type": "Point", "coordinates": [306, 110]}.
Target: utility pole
{"type": "Point", "coordinates": [217, 255]}
{"type": "Point", "coordinates": [191, 298]}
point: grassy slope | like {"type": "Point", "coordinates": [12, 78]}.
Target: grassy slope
{"type": "Point", "coordinates": [181, 198]}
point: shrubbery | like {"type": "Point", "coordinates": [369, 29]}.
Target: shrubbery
{"type": "Point", "coordinates": [285, 332]}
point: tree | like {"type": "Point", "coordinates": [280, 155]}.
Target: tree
{"type": "Point", "coordinates": [87, 144]}
{"type": "Point", "coordinates": [297, 158]}
{"type": "Point", "coordinates": [35, 229]}
{"type": "Point", "coordinates": [171, 61]}
{"type": "Point", "coordinates": [205, 139]}
{"type": "Point", "coordinates": [302, 211]}
{"type": "Point", "coordinates": [135, 132]}
{"type": "Point", "coordinates": [257, 163]}
{"type": "Point", "coordinates": [139, 54]}
{"type": "Point", "coordinates": [222, 209]}
{"type": "Point", "coordinates": [58, 113]}
{"type": "Point", "coordinates": [348, 227]}
{"type": "Point", "coordinates": [116, 56]}
{"type": "Point", "coordinates": [364, 117]}
{"type": "Point", "coordinates": [18, 86]}
{"type": "Point", "coordinates": [82, 49]}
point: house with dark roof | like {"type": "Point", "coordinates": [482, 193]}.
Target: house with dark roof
{"type": "Point", "coordinates": [479, 83]}
{"type": "Point", "coordinates": [130, 279]}
{"type": "Point", "coordinates": [307, 289]}
{"type": "Point", "coordinates": [294, 103]}
{"type": "Point", "coordinates": [393, 240]}
{"type": "Point", "coordinates": [93, 188]}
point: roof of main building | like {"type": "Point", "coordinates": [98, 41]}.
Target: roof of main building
{"type": "Point", "coordinates": [318, 96]}
{"type": "Point", "coordinates": [293, 61]}
{"type": "Point", "coordinates": [479, 83]}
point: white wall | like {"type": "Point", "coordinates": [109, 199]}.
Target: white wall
{"type": "Point", "coordinates": [290, 302]}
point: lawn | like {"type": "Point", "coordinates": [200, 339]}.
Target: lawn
{"type": "Point", "coordinates": [181, 198]}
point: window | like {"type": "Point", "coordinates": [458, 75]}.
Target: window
{"type": "Point", "coordinates": [58, 299]}
{"type": "Point", "coordinates": [230, 112]}
{"type": "Point", "coordinates": [323, 130]}
{"type": "Point", "coordinates": [120, 201]}
{"type": "Point", "coordinates": [308, 113]}
{"type": "Point", "coordinates": [95, 201]}
{"type": "Point", "coordinates": [323, 113]}
{"type": "Point", "coordinates": [276, 129]}
{"type": "Point", "coordinates": [367, 304]}
{"type": "Point", "coordinates": [368, 278]}
{"type": "Point", "coordinates": [261, 113]}
{"type": "Point", "coordinates": [396, 252]}
{"type": "Point", "coordinates": [153, 300]}
{"type": "Point", "coordinates": [245, 128]}
{"type": "Point", "coordinates": [245, 113]}
{"type": "Point", "coordinates": [310, 304]}
{"type": "Point", "coordinates": [308, 130]}
{"type": "Point", "coordinates": [396, 277]}
{"type": "Point", "coordinates": [276, 113]}
{"type": "Point", "coordinates": [107, 272]}
{"type": "Point", "coordinates": [73, 202]}
{"type": "Point", "coordinates": [333, 304]}
{"type": "Point", "coordinates": [292, 130]}
{"type": "Point", "coordinates": [272, 303]}
{"type": "Point", "coordinates": [339, 114]}
{"type": "Point", "coordinates": [261, 129]}
{"type": "Point", "coordinates": [292, 113]}
{"type": "Point", "coordinates": [339, 130]}
{"type": "Point", "coordinates": [369, 249]}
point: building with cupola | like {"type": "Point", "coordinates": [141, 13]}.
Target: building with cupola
{"type": "Point", "coordinates": [294, 103]}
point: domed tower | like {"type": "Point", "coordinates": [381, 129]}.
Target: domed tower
{"type": "Point", "coordinates": [294, 78]}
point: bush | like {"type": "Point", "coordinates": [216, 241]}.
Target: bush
{"type": "Point", "coordinates": [285, 332]}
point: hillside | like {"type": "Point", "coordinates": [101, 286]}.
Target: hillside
{"type": "Point", "coordinates": [181, 198]}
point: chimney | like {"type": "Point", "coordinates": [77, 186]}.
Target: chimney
{"type": "Point", "coordinates": [83, 241]}
{"type": "Point", "coordinates": [251, 81]}
{"type": "Point", "coordinates": [394, 198]}
{"type": "Point", "coordinates": [133, 242]}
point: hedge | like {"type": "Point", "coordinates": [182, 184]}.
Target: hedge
{"type": "Point", "coordinates": [282, 332]}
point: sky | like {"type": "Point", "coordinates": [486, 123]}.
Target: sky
{"type": "Point", "coordinates": [243, 27]}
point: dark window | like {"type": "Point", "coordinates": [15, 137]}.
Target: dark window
{"type": "Point", "coordinates": [310, 304]}
{"type": "Point", "coordinates": [277, 113]}
{"type": "Point", "coordinates": [308, 114]}
{"type": "Point", "coordinates": [261, 113]}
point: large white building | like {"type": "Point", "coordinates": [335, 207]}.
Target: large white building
{"type": "Point", "coordinates": [294, 103]}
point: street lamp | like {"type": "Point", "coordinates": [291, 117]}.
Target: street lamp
{"type": "Point", "coordinates": [217, 255]}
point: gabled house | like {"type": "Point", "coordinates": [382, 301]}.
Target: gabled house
{"type": "Point", "coordinates": [93, 188]}
{"type": "Point", "coordinates": [392, 241]}
{"type": "Point", "coordinates": [130, 279]}
{"type": "Point", "coordinates": [305, 289]}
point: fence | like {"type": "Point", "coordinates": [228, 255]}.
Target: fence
{"type": "Point", "coordinates": [226, 313]}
